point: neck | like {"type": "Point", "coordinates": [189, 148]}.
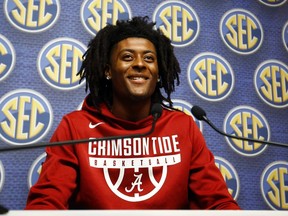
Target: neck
{"type": "Point", "coordinates": [134, 111]}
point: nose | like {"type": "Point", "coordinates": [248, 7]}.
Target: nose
{"type": "Point", "coordinates": [139, 63]}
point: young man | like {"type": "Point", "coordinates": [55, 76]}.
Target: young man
{"type": "Point", "coordinates": [125, 67]}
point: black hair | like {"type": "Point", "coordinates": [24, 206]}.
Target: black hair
{"type": "Point", "coordinates": [97, 56]}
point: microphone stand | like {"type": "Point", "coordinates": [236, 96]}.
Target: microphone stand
{"type": "Point", "coordinates": [70, 142]}
{"type": "Point", "coordinates": [200, 114]}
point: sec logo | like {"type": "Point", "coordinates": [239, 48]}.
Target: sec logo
{"type": "Point", "coordinates": [96, 14]}
{"type": "Point", "coordinates": [273, 3]}
{"type": "Point", "coordinates": [185, 107]}
{"type": "Point", "coordinates": [210, 76]}
{"type": "Point", "coordinates": [7, 57]}
{"type": "Point", "coordinates": [32, 16]}
{"type": "Point", "coordinates": [245, 121]}
{"type": "Point", "coordinates": [59, 62]}
{"type": "Point", "coordinates": [230, 176]}
{"type": "Point", "coordinates": [274, 185]}
{"type": "Point", "coordinates": [178, 21]}
{"type": "Point", "coordinates": [2, 175]}
{"type": "Point", "coordinates": [285, 35]}
{"type": "Point", "coordinates": [271, 83]}
{"type": "Point", "coordinates": [35, 169]}
{"type": "Point", "coordinates": [25, 115]}
{"type": "Point", "coordinates": [241, 31]}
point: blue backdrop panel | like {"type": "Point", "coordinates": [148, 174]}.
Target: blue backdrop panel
{"type": "Point", "coordinates": [233, 55]}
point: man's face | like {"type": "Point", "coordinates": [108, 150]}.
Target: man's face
{"type": "Point", "coordinates": [133, 69]}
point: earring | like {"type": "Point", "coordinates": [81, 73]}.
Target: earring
{"type": "Point", "coordinates": [158, 80]}
{"type": "Point", "coordinates": [108, 77]}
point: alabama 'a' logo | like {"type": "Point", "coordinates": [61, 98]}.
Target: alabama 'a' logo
{"type": "Point", "coordinates": [246, 121]}
{"type": "Point", "coordinates": [271, 83]}
{"type": "Point", "coordinates": [274, 185]}
{"type": "Point", "coordinates": [96, 14]}
{"type": "Point", "coordinates": [178, 21]}
{"type": "Point", "coordinates": [25, 117]}
{"type": "Point", "coordinates": [241, 31]}
{"type": "Point", "coordinates": [129, 173]}
{"type": "Point", "coordinates": [32, 16]}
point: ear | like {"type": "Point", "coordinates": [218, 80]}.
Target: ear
{"type": "Point", "coordinates": [158, 79]}
{"type": "Point", "coordinates": [108, 73]}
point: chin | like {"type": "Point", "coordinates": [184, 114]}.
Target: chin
{"type": "Point", "coordinates": [140, 97]}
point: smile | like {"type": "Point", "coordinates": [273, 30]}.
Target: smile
{"type": "Point", "coordinates": [138, 78]}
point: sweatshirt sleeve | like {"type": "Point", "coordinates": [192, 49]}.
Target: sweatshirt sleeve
{"type": "Point", "coordinates": [207, 187]}
{"type": "Point", "coordinates": [57, 180]}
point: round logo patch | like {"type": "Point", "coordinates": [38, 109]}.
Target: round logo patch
{"type": "Point", "coordinates": [230, 176]}
{"type": "Point", "coordinates": [273, 3]}
{"type": "Point", "coordinates": [7, 57]}
{"type": "Point", "coordinates": [32, 16]}
{"type": "Point", "coordinates": [210, 76]}
{"type": "Point", "coordinates": [178, 21]}
{"type": "Point", "coordinates": [25, 116]}
{"type": "Point", "coordinates": [271, 83]}
{"type": "Point", "coordinates": [241, 31]}
{"type": "Point", "coordinates": [96, 14]}
{"type": "Point", "coordinates": [35, 169]}
{"type": "Point", "coordinates": [2, 175]}
{"type": "Point", "coordinates": [285, 35]}
{"type": "Point", "coordinates": [185, 107]}
{"type": "Point", "coordinates": [59, 62]}
{"type": "Point", "coordinates": [245, 121]}
{"type": "Point", "coordinates": [274, 184]}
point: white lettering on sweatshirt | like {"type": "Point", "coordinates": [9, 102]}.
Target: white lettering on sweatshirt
{"type": "Point", "coordinates": [133, 147]}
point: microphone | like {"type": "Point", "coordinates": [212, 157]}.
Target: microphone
{"type": "Point", "coordinates": [200, 114]}
{"type": "Point", "coordinates": [3, 210]}
{"type": "Point", "coordinates": [156, 112]}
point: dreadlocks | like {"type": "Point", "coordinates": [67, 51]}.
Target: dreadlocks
{"type": "Point", "coordinates": [97, 57]}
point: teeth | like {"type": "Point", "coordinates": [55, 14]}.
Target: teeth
{"type": "Point", "coordinates": [137, 78]}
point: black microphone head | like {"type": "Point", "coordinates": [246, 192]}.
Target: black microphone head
{"type": "Point", "coordinates": [198, 113]}
{"type": "Point", "coordinates": [156, 110]}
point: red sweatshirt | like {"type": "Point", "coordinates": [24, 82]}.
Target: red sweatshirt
{"type": "Point", "coordinates": [171, 168]}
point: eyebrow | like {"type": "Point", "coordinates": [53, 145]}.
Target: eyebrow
{"type": "Point", "coordinates": [132, 50]}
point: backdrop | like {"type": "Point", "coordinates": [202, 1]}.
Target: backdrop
{"type": "Point", "coordinates": [233, 56]}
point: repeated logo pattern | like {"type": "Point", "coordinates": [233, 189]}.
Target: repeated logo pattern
{"type": "Point", "coordinates": [233, 56]}
{"type": "Point", "coordinates": [26, 116]}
